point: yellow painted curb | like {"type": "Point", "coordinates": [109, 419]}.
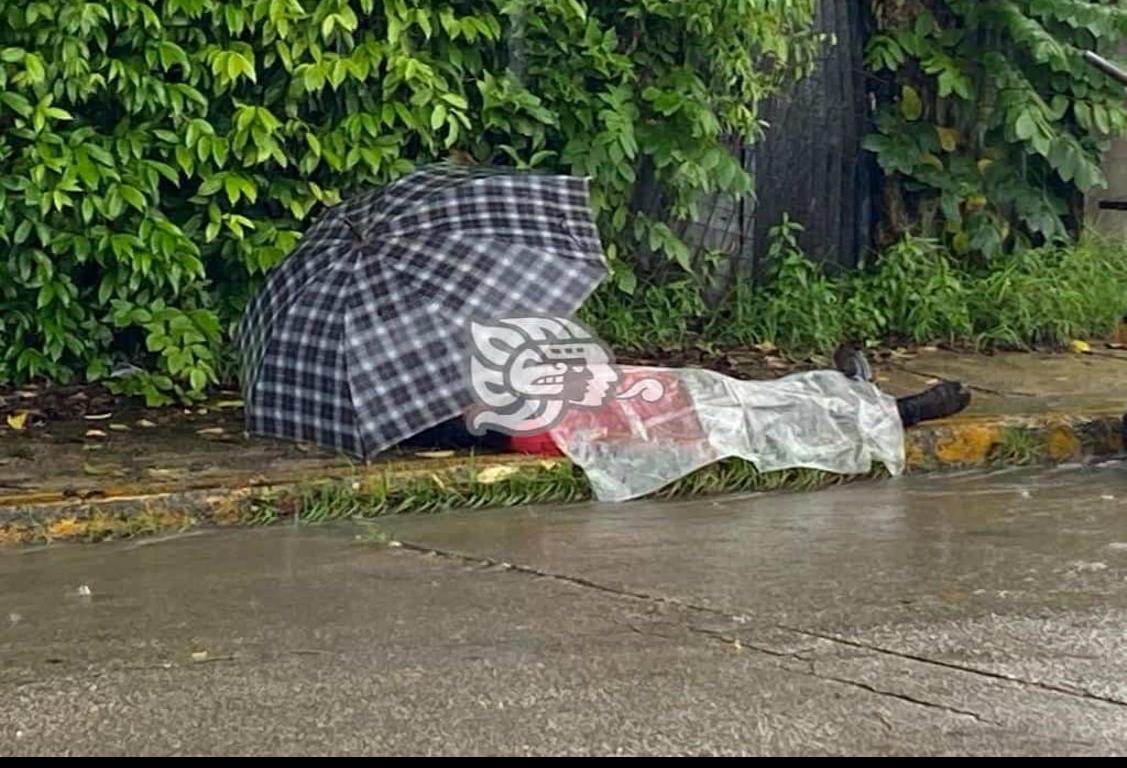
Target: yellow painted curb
{"type": "Point", "coordinates": [428, 485]}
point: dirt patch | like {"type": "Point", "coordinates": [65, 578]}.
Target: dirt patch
{"type": "Point", "coordinates": [93, 406]}
{"type": "Point", "coordinates": [44, 403]}
{"type": "Point", "coordinates": [763, 363]}
{"type": "Point", "coordinates": [754, 363]}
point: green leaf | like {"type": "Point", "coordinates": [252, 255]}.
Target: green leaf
{"type": "Point", "coordinates": [233, 187]}
{"type": "Point", "coordinates": [100, 154]}
{"type": "Point", "coordinates": [211, 185]}
{"type": "Point", "coordinates": [133, 197]}
{"type": "Point", "coordinates": [911, 107]}
{"type": "Point", "coordinates": [948, 138]}
{"type": "Point", "coordinates": [157, 342]}
{"type": "Point", "coordinates": [1101, 119]}
{"type": "Point", "coordinates": [455, 100]}
{"type": "Point", "coordinates": [34, 66]}
{"type": "Point", "coordinates": [16, 103]}
{"type": "Point", "coordinates": [626, 280]}
{"type": "Point", "coordinates": [197, 379]}
{"type": "Point", "coordinates": [438, 116]}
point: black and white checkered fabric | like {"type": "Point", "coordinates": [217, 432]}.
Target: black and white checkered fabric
{"type": "Point", "coordinates": [357, 340]}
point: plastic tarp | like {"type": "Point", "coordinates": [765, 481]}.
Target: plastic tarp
{"type": "Point", "coordinates": [819, 420]}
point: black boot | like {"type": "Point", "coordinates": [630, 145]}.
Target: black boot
{"type": "Point", "coordinates": [939, 402]}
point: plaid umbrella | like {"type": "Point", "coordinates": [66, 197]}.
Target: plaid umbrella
{"type": "Point", "coordinates": [356, 341]}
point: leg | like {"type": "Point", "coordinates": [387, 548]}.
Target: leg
{"type": "Point", "coordinates": [453, 435]}
{"type": "Point", "coordinates": [938, 402]}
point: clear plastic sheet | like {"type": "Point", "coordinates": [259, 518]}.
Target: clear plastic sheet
{"type": "Point", "coordinates": [819, 420]}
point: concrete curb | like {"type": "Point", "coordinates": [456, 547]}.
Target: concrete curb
{"type": "Point", "coordinates": [427, 485]}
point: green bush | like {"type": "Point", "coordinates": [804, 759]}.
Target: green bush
{"type": "Point", "coordinates": [914, 293]}
{"type": "Point", "coordinates": [798, 307]}
{"type": "Point", "coordinates": [1051, 295]}
{"type": "Point", "coordinates": [657, 316]}
{"type": "Point", "coordinates": [991, 122]}
{"type": "Point", "coordinates": [158, 156]}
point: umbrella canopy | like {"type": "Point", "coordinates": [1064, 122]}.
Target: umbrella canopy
{"type": "Point", "coordinates": [357, 340]}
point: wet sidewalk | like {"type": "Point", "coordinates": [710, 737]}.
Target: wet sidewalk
{"type": "Point", "coordinates": [107, 472]}
{"type": "Point", "coordinates": [885, 618]}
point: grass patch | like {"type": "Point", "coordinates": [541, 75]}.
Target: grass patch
{"type": "Point", "coordinates": [557, 482]}
{"type": "Point", "coordinates": [1018, 447]}
{"type": "Point", "coordinates": [468, 487]}
{"type": "Point", "coordinates": [913, 292]}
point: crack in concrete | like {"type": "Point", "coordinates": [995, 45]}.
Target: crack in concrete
{"type": "Point", "coordinates": [1108, 355]}
{"type": "Point", "coordinates": [975, 387]}
{"type": "Point", "coordinates": [813, 672]}
{"type": "Point", "coordinates": [1051, 687]}
{"type": "Point", "coordinates": [910, 699]}
{"type": "Point", "coordinates": [734, 640]}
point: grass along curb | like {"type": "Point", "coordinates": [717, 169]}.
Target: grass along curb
{"type": "Point", "coordinates": [431, 486]}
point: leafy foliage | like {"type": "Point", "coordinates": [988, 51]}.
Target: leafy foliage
{"type": "Point", "coordinates": [158, 156]}
{"type": "Point", "coordinates": [914, 292]}
{"type": "Point", "coordinates": [799, 308]}
{"type": "Point", "coordinates": [992, 123]}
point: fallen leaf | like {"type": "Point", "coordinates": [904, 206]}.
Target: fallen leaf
{"type": "Point", "coordinates": [119, 428]}
{"type": "Point", "coordinates": [95, 433]}
{"type": "Point", "coordinates": [145, 423]}
{"type": "Point", "coordinates": [210, 431]}
{"type": "Point", "coordinates": [496, 474]}
{"type": "Point", "coordinates": [17, 420]}
{"type": "Point", "coordinates": [1079, 346]}
{"type": "Point", "coordinates": [199, 655]}
{"type": "Point", "coordinates": [85, 591]}
{"type": "Point", "coordinates": [98, 416]}
{"type": "Point", "coordinates": [434, 454]}
{"type": "Point", "coordinates": [229, 404]}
